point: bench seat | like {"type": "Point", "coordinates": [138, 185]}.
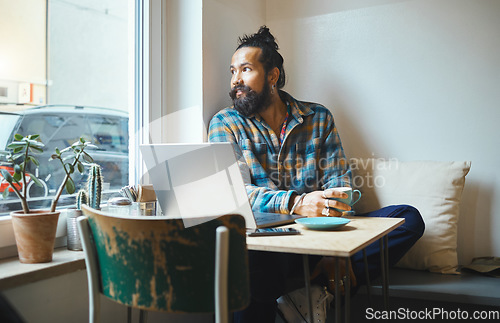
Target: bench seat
{"type": "Point", "coordinates": [469, 288]}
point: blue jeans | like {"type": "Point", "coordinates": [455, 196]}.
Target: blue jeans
{"type": "Point", "coordinates": [270, 271]}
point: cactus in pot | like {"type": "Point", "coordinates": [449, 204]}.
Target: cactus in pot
{"type": "Point", "coordinates": [81, 198]}
{"type": "Point", "coordinates": [94, 187]}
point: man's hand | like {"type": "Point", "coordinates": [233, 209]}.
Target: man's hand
{"type": "Point", "coordinates": [321, 203]}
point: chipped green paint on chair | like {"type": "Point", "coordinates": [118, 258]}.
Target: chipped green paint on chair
{"type": "Point", "coordinates": [155, 263]}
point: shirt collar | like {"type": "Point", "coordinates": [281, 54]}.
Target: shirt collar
{"type": "Point", "coordinates": [298, 109]}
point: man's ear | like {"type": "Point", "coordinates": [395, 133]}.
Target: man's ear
{"type": "Point", "coordinates": [273, 76]}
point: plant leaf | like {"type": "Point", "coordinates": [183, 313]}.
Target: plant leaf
{"type": "Point", "coordinates": [16, 156]}
{"type": "Point", "coordinates": [18, 136]}
{"type": "Point", "coordinates": [87, 157]}
{"type": "Point", "coordinates": [37, 144]}
{"type": "Point", "coordinates": [70, 168]}
{"type": "Point", "coordinates": [32, 142]}
{"type": "Point", "coordinates": [70, 186]}
{"type": "Point", "coordinates": [6, 175]}
{"type": "Point", "coordinates": [34, 136]}
{"type": "Point", "coordinates": [34, 160]}
{"type": "Point", "coordinates": [17, 169]}
{"type": "Point", "coordinates": [65, 150]}
{"type": "Point", "coordinates": [15, 144]}
{"type": "Point", "coordinates": [36, 149]}
{"type": "Point", "coordinates": [90, 145]}
{"type": "Point", "coordinates": [80, 167]}
{"type": "Point", "coordinates": [17, 177]}
{"type": "Point", "coordinates": [5, 193]}
{"type": "Point", "coordinates": [36, 180]}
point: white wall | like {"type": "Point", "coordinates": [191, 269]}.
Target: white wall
{"type": "Point", "coordinates": [223, 22]}
{"type": "Point", "coordinates": [201, 38]}
{"type": "Point", "coordinates": [412, 80]}
{"type": "Point", "coordinates": [182, 89]}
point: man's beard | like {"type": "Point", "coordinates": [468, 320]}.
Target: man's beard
{"type": "Point", "coordinates": [252, 102]}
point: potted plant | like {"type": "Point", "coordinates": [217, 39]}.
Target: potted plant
{"type": "Point", "coordinates": [35, 230]}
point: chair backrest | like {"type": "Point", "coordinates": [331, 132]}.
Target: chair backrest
{"type": "Point", "coordinates": [155, 263]}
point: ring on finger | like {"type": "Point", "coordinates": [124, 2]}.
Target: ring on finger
{"type": "Point", "coordinates": [326, 204]}
{"type": "Point", "coordinates": [341, 282]}
{"type": "Point", "coordinates": [326, 211]}
{"type": "Point", "coordinates": [323, 194]}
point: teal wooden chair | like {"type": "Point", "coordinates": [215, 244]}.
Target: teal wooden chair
{"type": "Point", "coordinates": [155, 263]}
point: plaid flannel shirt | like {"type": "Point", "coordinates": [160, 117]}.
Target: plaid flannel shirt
{"type": "Point", "coordinates": [310, 157]}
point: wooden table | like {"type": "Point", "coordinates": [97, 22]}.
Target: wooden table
{"type": "Point", "coordinates": [343, 242]}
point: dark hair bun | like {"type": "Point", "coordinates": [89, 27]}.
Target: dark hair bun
{"type": "Point", "coordinates": [265, 35]}
{"type": "Point", "coordinates": [262, 37]}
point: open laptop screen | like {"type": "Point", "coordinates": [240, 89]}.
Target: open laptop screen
{"type": "Point", "coordinates": [197, 180]}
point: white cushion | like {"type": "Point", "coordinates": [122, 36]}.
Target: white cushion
{"type": "Point", "coordinates": [433, 187]}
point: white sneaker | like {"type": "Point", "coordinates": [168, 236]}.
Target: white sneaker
{"type": "Point", "coordinates": [294, 305]}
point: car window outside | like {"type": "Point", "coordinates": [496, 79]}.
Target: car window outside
{"type": "Point", "coordinates": [7, 122]}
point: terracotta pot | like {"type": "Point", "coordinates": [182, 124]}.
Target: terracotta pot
{"type": "Point", "coordinates": [35, 235]}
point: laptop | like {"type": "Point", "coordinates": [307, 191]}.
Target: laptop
{"type": "Point", "coordinates": [202, 180]}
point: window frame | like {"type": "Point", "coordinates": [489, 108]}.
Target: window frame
{"type": "Point", "coordinates": [150, 76]}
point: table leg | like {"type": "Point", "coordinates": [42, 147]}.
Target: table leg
{"type": "Point", "coordinates": [386, 239]}
{"type": "Point", "coordinates": [367, 276]}
{"type": "Point", "coordinates": [143, 316]}
{"type": "Point", "coordinates": [338, 316]}
{"type": "Point", "coordinates": [383, 268]}
{"type": "Point", "coordinates": [305, 262]}
{"type": "Point", "coordinates": [347, 289]}
{"type": "Point", "coordinates": [386, 256]}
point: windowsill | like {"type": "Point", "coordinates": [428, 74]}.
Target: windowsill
{"type": "Point", "coordinates": [14, 274]}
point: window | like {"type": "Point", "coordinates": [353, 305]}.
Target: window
{"type": "Point", "coordinates": [64, 73]}
{"type": "Point", "coordinates": [67, 69]}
